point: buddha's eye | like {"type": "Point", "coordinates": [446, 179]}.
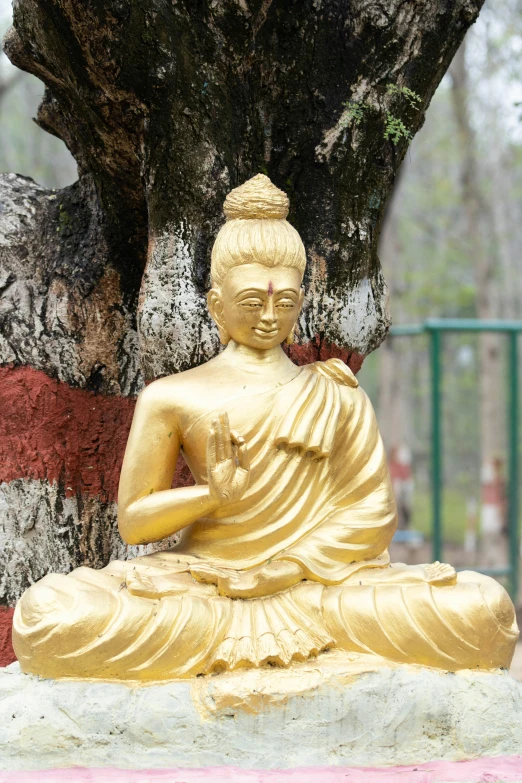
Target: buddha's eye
{"type": "Point", "coordinates": [286, 303]}
{"type": "Point", "coordinates": [251, 304]}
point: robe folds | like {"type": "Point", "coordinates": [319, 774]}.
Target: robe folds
{"type": "Point", "coordinates": [320, 496]}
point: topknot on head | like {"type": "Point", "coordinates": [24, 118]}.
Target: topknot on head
{"type": "Point", "coordinates": [257, 199]}
{"type": "Point", "coordinates": [256, 231]}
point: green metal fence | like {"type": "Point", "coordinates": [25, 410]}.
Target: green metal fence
{"type": "Point", "coordinates": [435, 329]}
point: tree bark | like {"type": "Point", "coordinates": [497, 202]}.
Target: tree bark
{"type": "Point", "coordinates": [166, 106]}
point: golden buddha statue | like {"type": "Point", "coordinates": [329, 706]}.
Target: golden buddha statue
{"type": "Point", "coordinates": [283, 539]}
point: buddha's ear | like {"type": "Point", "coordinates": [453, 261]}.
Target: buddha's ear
{"type": "Point", "coordinates": [215, 308]}
{"type": "Point", "coordinates": [301, 297]}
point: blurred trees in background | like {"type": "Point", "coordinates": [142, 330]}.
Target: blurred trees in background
{"type": "Point", "coordinates": [451, 246]}
{"type": "Point", "coordinates": [24, 147]}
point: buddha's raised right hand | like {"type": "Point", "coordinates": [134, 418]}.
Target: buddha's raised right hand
{"type": "Point", "coordinates": [228, 467]}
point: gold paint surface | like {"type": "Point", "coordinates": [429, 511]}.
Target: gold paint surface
{"type": "Point", "coordinates": [284, 537]}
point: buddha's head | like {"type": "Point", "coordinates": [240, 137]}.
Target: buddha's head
{"type": "Point", "coordinates": [258, 262]}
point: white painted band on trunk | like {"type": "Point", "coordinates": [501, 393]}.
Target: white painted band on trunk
{"type": "Point", "coordinates": [43, 531]}
{"type": "Point", "coordinates": [351, 317]}
{"type": "Point", "coordinates": [175, 330]}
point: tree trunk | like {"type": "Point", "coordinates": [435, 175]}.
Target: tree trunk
{"type": "Point", "coordinates": [166, 106]}
{"type": "Point", "coordinates": [504, 210]}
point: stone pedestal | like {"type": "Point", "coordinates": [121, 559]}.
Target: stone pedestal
{"type": "Point", "coordinates": [338, 710]}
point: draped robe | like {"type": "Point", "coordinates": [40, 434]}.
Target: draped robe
{"type": "Point", "coordinates": [319, 495]}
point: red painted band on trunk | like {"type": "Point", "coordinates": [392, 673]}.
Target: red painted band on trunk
{"type": "Point", "coordinates": [318, 350]}
{"type": "Point", "coordinates": [7, 655]}
{"type": "Point", "coordinates": [51, 431]}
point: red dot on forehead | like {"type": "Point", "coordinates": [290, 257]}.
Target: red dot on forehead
{"type": "Point", "coordinates": [270, 288]}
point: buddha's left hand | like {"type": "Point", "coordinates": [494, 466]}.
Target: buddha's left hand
{"type": "Point", "coordinates": [228, 467]}
{"type": "Point", "coordinates": [267, 579]}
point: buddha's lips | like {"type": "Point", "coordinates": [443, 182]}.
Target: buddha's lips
{"type": "Point", "coordinates": [52, 431]}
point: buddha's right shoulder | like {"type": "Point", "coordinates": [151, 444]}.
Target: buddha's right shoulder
{"type": "Point", "coordinates": [172, 390]}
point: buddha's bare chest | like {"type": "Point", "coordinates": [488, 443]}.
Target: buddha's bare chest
{"type": "Point", "coordinates": [204, 405]}
{"type": "Point", "coordinates": [245, 409]}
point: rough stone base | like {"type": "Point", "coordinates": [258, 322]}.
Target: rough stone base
{"type": "Point", "coordinates": [338, 710]}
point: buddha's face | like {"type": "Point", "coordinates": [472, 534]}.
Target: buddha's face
{"type": "Point", "coordinates": [257, 306]}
